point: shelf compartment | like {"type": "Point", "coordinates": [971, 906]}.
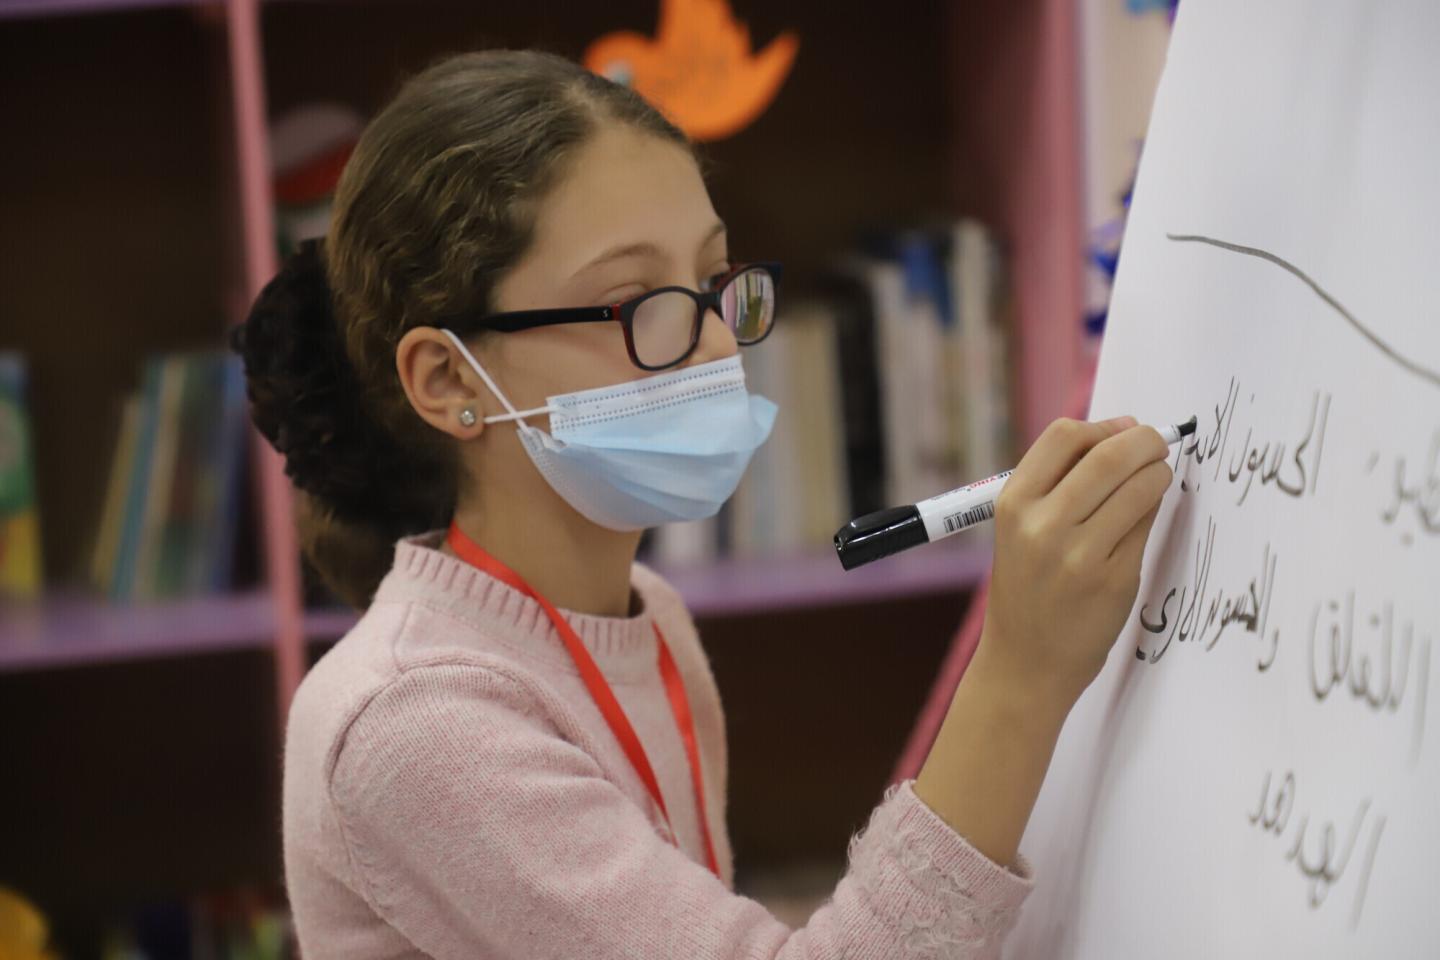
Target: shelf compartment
{"type": "Point", "coordinates": [71, 629]}
{"type": "Point", "coordinates": [12, 9]}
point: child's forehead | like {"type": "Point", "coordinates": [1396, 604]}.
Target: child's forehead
{"type": "Point", "coordinates": [625, 188]}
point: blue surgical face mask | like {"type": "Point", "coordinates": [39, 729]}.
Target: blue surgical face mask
{"type": "Point", "coordinates": [646, 452]}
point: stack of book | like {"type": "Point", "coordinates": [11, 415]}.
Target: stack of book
{"type": "Point", "coordinates": [893, 385]}
{"type": "Point", "coordinates": [169, 517]}
{"type": "Point", "coordinates": [234, 925]}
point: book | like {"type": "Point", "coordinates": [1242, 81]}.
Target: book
{"type": "Point", "coordinates": [860, 417]}
{"type": "Point", "coordinates": [236, 923]}
{"type": "Point", "coordinates": [179, 527]}
{"type": "Point", "coordinates": [132, 515]}
{"type": "Point", "coordinates": [973, 263]}
{"type": "Point", "coordinates": [759, 509]}
{"type": "Point", "coordinates": [685, 543]}
{"type": "Point", "coordinates": [225, 481]}
{"type": "Point", "coordinates": [155, 498]}
{"type": "Point", "coordinates": [20, 560]}
{"type": "Point", "coordinates": [930, 323]}
{"type": "Point", "coordinates": [813, 389]}
{"type": "Point", "coordinates": [107, 538]}
{"type": "Point", "coordinates": [909, 350]}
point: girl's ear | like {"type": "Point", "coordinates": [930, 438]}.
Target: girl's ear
{"type": "Point", "coordinates": [441, 387]}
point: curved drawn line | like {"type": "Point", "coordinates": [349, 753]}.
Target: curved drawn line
{"type": "Point", "coordinates": [1423, 372]}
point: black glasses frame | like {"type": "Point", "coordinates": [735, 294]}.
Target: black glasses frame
{"type": "Point", "coordinates": [624, 313]}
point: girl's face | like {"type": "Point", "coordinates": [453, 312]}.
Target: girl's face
{"type": "Point", "coordinates": [633, 214]}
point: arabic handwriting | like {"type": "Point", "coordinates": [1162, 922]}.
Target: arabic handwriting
{"type": "Point", "coordinates": [1323, 864]}
{"type": "Point", "coordinates": [1377, 671]}
{"type": "Point", "coordinates": [1272, 813]}
{"type": "Point", "coordinates": [1296, 475]}
{"type": "Point", "coordinates": [1423, 494]}
{"type": "Point", "coordinates": [1269, 460]}
{"type": "Point", "coordinates": [1209, 615]}
{"type": "Point", "coordinates": [1208, 446]}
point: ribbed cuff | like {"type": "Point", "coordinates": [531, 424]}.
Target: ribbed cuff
{"type": "Point", "coordinates": [938, 891]}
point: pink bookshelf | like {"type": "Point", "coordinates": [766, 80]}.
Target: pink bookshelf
{"type": "Point", "coordinates": [762, 585]}
{"type": "Point", "coordinates": [50, 8]}
{"type": "Point", "coordinates": [70, 629]}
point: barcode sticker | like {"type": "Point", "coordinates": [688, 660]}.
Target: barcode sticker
{"type": "Point", "coordinates": [959, 521]}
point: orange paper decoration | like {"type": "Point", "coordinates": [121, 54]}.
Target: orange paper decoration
{"type": "Point", "coordinates": [698, 69]}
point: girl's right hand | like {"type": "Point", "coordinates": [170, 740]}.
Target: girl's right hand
{"type": "Point", "coordinates": [1071, 526]}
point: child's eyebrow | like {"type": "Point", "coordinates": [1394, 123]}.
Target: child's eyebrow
{"type": "Point", "coordinates": [643, 249]}
{"type": "Point", "coordinates": [715, 231]}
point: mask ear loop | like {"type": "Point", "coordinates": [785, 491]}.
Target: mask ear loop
{"type": "Point", "coordinates": [517, 415]}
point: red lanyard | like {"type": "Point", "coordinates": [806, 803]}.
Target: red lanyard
{"type": "Point", "coordinates": [474, 554]}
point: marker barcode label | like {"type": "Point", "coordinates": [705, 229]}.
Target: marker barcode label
{"type": "Point", "coordinates": [960, 509]}
{"type": "Point", "coordinates": [959, 521]}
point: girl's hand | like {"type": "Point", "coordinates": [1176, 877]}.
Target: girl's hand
{"type": "Point", "coordinates": [1071, 527]}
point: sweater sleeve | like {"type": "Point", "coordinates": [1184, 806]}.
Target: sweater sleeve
{"type": "Point", "coordinates": [475, 829]}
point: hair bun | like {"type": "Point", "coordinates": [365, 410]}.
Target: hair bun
{"type": "Point", "coordinates": [304, 395]}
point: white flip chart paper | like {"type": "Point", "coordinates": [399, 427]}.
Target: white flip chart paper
{"type": "Point", "coordinates": [1256, 772]}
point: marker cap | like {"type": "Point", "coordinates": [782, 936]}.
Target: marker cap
{"type": "Point", "coordinates": [879, 534]}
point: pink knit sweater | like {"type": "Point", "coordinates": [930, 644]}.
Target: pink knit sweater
{"type": "Point", "coordinates": [451, 790]}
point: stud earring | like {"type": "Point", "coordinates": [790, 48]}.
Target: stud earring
{"type": "Point", "coordinates": [467, 417]}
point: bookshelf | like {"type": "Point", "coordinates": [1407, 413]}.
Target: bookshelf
{"type": "Point", "coordinates": [52, 8]}
{"type": "Point", "coordinates": [75, 630]}
{"type": "Point", "coordinates": [162, 136]}
{"type": "Point", "coordinates": [72, 629]}
{"type": "Point", "coordinates": [759, 586]}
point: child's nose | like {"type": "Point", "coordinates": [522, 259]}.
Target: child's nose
{"type": "Point", "coordinates": [717, 341]}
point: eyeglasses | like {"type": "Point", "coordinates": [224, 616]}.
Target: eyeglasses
{"type": "Point", "coordinates": [662, 326]}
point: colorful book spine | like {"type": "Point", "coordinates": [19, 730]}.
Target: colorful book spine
{"type": "Point", "coordinates": [112, 516]}
{"type": "Point", "coordinates": [225, 471]}
{"type": "Point", "coordinates": [181, 522]}
{"type": "Point", "coordinates": [155, 501]}
{"type": "Point", "coordinates": [123, 580]}
{"type": "Point", "coordinates": [20, 560]}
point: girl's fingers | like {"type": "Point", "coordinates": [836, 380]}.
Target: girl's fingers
{"type": "Point", "coordinates": [1117, 517]}
{"type": "Point", "coordinates": [1057, 450]}
{"type": "Point", "coordinates": [1130, 548]}
{"type": "Point", "coordinates": [1105, 469]}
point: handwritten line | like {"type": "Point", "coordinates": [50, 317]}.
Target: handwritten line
{"type": "Point", "coordinates": [1422, 372]}
{"type": "Point", "coordinates": [1364, 885]}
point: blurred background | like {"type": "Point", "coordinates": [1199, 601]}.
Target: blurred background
{"type": "Point", "coordinates": [945, 183]}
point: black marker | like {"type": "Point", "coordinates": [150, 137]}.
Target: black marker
{"type": "Point", "coordinates": [884, 532]}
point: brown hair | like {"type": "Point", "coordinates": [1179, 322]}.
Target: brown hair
{"type": "Point", "coordinates": [435, 204]}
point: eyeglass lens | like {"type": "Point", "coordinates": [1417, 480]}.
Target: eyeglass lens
{"type": "Point", "coordinates": [748, 304]}
{"type": "Point", "coordinates": [663, 325]}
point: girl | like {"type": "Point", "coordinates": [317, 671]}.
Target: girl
{"type": "Point", "coordinates": [515, 350]}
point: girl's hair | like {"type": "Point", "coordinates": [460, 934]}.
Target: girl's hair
{"type": "Point", "coordinates": [437, 201]}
